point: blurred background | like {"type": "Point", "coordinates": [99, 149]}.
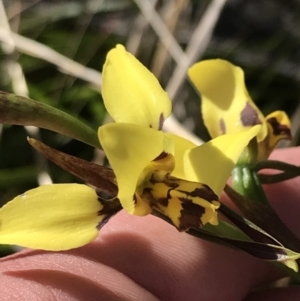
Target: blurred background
{"type": "Point", "coordinates": [39, 60]}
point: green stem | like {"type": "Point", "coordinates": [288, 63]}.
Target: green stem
{"type": "Point", "coordinates": [246, 182]}
{"type": "Point", "coordinates": [277, 165]}
{"type": "Point", "coordinates": [273, 179]}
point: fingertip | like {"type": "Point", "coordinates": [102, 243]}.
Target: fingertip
{"type": "Point", "coordinates": [284, 196]}
{"type": "Point", "coordinates": [278, 294]}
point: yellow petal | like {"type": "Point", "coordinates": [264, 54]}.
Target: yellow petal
{"type": "Point", "coordinates": [162, 166]}
{"type": "Point", "coordinates": [51, 217]}
{"type": "Point", "coordinates": [181, 145]}
{"type": "Point", "coordinates": [212, 162]}
{"type": "Point", "coordinates": [226, 105]}
{"type": "Point", "coordinates": [130, 149]}
{"type": "Point", "coordinates": [187, 204]}
{"type": "Point", "coordinates": [131, 92]}
{"type": "Point", "coordinates": [279, 128]}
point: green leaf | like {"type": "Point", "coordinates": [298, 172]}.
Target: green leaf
{"type": "Point", "coordinates": [15, 176]}
{"type": "Point", "coordinates": [19, 110]}
{"type": "Point", "coordinates": [247, 227]}
{"type": "Point", "coordinates": [225, 229]}
{"type": "Point", "coordinates": [6, 250]}
{"type": "Point", "coordinates": [228, 235]}
{"type": "Point", "coordinates": [263, 216]}
{"type": "Point", "coordinates": [258, 250]}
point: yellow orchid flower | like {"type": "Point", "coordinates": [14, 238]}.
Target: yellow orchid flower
{"type": "Point", "coordinates": [150, 165]}
{"type": "Point", "coordinates": [227, 106]}
{"type": "Point", "coordinates": [152, 169]}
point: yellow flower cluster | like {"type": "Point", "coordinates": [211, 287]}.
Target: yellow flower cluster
{"type": "Point", "coordinates": [153, 170]}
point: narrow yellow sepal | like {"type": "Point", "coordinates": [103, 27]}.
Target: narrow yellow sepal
{"type": "Point", "coordinates": [226, 105]}
{"type": "Point", "coordinates": [52, 217]}
{"type": "Point", "coordinates": [212, 162]}
{"type": "Point", "coordinates": [130, 150]}
{"type": "Point", "coordinates": [131, 93]}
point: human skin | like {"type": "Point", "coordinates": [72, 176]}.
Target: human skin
{"type": "Point", "coordinates": [146, 259]}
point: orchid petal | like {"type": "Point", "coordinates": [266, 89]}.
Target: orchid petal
{"type": "Point", "coordinates": [212, 162]}
{"type": "Point", "coordinates": [181, 145]}
{"type": "Point", "coordinates": [51, 217]}
{"type": "Point", "coordinates": [279, 128]}
{"type": "Point", "coordinates": [226, 104]}
{"type": "Point", "coordinates": [131, 93]}
{"type": "Point", "coordinates": [130, 150]}
{"type": "Point", "coordinates": [187, 204]}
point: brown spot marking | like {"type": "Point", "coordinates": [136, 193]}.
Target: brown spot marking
{"type": "Point", "coordinates": [204, 193]}
{"type": "Point", "coordinates": [103, 196]}
{"type": "Point", "coordinates": [103, 222]}
{"type": "Point", "coordinates": [161, 156]}
{"type": "Point", "coordinates": [190, 215]}
{"type": "Point", "coordinates": [163, 201]}
{"type": "Point", "coordinates": [222, 126]}
{"type": "Point", "coordinates": [249, 116]}
{"type": "Point", "coordinates": [279, 129]}
{"type": "Point", "coordinates": [110, 208]}
{"type": "Point", "coordinates": [161, 121]}
{"type": "Point", "coordinates": [134, 199]}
